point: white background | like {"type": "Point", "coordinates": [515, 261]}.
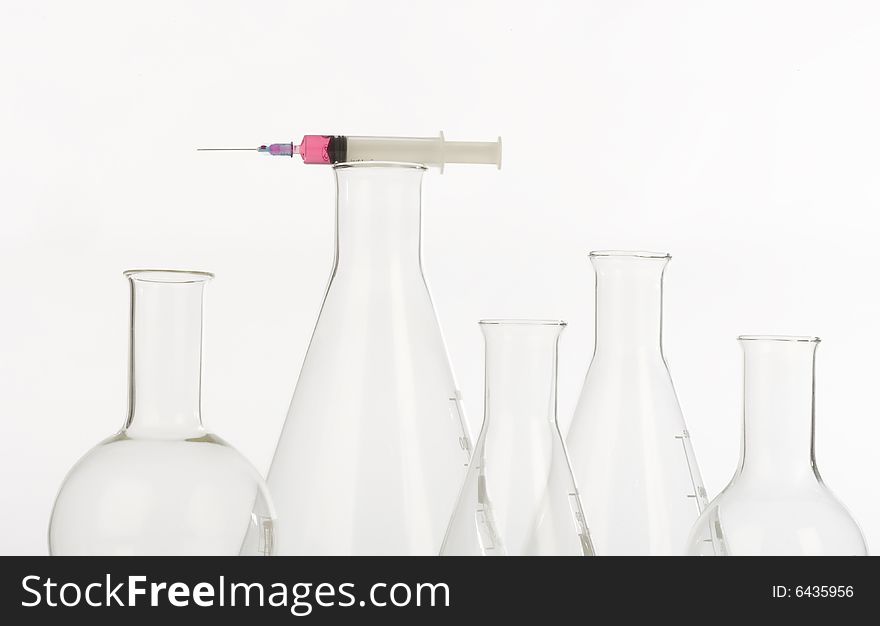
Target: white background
{"type": "Point", "coordinates": [739, 136]}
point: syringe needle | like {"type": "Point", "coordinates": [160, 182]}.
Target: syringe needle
{"type": "Point", "coordinates": [275, 149]}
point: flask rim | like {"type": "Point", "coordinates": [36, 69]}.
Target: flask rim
{"type": "Point", "coordinates": [522, 322]}
{"type": "Point", "coordinates": [640, 254]}
{"type": "Point", "coordinates": [345, 165]}
{"type": "Point", "coordinates": [788, 338]}
{"type": "Point", "coordinates": [168, 275]}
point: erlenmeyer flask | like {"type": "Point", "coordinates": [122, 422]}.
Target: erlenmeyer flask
{"type": "Point", "coordinates": [374, 447]}
{"type": "Point", "coordinates": [519, 497]}
{"type": "Point", "coordinates": [628, 443]}
{"type": "Point", "coordinates": [776, 503]}
{"type": "Point", "coordinates": [163, 485]}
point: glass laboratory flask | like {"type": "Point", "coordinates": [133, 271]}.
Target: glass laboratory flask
{"type": "Point", "coordinates": [519, 497]}
{"type": "Point", "coordinates": [374, 448]}
{"type": "Point", "coordinates": [628, 442]}
{"type": "Point", "coordinates": [776, 504]}
{"type": "Point", "coordinates": [163, 485]}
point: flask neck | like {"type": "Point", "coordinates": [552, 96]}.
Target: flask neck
{"type": "Point", "coordinates": [378, 217]}
{"type": "Point", "coordinates": [778, 410]}
{"type": "Point", "coordinates": [165, 355]}
{"type": "Point", "coordinates": [521, 358]}
{"type": "Point", "coordinates": [629, 303]}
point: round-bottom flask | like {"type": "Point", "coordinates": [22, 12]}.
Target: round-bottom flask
{"type": "Point", "coordinates": [776, 504]}
{"type": "Point", "coordinates": [163, 485]}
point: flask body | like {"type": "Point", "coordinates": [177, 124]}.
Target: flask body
{"type": "Point", "coordinates": [807, 521]}
{"type": "Point", "coordinates": [142, 497]}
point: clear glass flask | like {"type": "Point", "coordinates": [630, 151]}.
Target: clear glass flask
{"type": "Point", "coordinates": [628, 443]}
{"type": "Point", "coordinates": [375, 447]}
{"type": "Point", "coordinates": [519, 497]}
{"type": "Point", "coordinates": [163, 485]}
{"type": "Point", "coordinates": [776, 503]}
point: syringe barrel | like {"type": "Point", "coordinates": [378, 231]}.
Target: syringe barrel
{"type": "Point", "coordinates": [435, 151]}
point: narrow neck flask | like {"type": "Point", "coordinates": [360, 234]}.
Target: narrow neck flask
{"type": "Point", "coordinates": [629, 305]}
{"type": "Point", "coordinates": [374, 446]}
{"type": "Point", "coordinates": [165, 354]}
{"type": "Point", "coordinates": [778, 419]}
{"type": "Point", "coordinates": [777, 503]}
{"type": "Point", "coordinates": [378, 225]}
{"type": "Point", "coordinates": [519, 497]}
{"type": "Point", "coordinates": [629, 446]}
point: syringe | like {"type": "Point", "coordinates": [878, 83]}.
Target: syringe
{"type": "Point", "coordinates": [435, 151]}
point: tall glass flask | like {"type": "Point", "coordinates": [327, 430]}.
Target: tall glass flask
{"type": "Point", "coordinates": [628, 442]}
{"type": "Point", "coordinates": [374, 447]}
{"type": "Point", "coordinates": [163, 485]}
{"type": "Point", "coordinates": [519, 497]}
{"type": "Point", "coordinates": [776, 503]}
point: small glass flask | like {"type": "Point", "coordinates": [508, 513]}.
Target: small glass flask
{"type": "Point", "coordinates": [776, 504]}
{"type": "Point", "coordinates": [519, 497]}
{"type": "Point", "coordinates": [374, 447]}
{"type": "Point", "coordinates": [163, 485]}
{"type": "Point", "coordinates": [630, 449]}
